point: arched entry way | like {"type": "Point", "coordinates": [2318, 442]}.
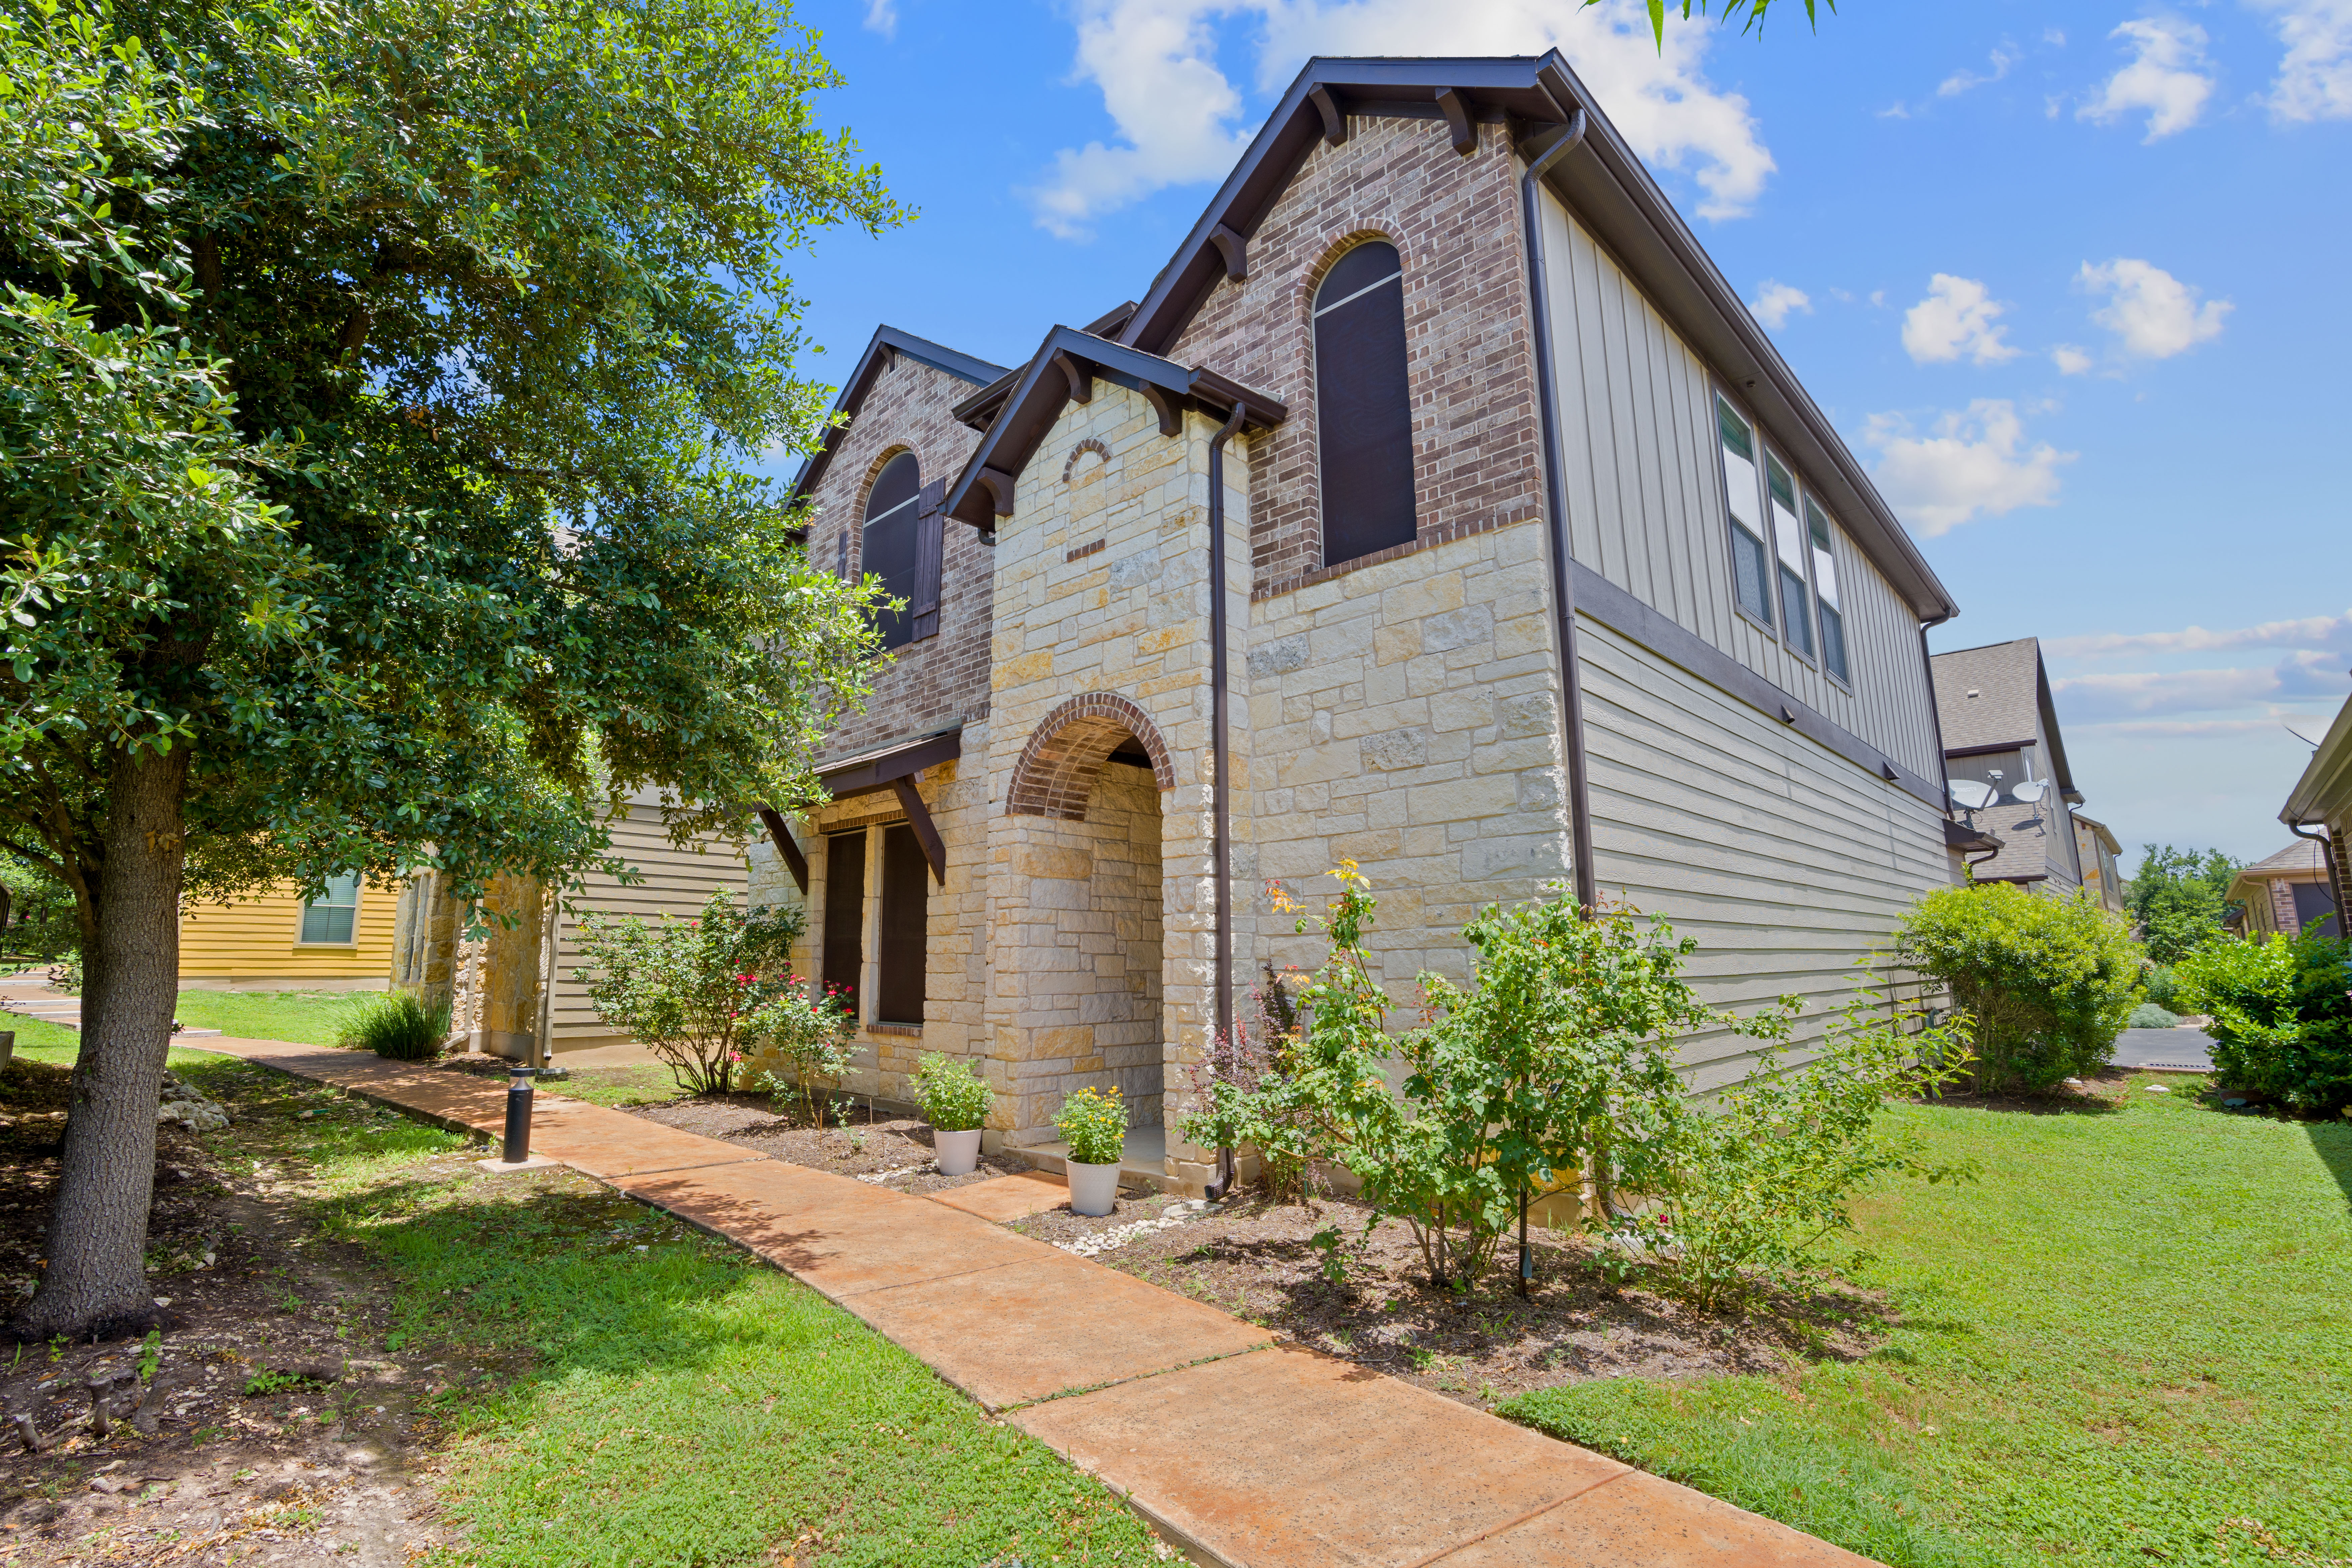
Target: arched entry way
{"type": "Point", "coordinates": [1087, 904]}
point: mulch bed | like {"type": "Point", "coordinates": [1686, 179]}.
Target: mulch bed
{"type": "Point", "coordinates": [1257, 1260]}
{"type": "Point", "coordinates": [320, 1459]}
{"type": "Point", "coordinates": [890, 1151]}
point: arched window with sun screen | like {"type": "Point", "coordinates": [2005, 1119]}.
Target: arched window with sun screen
{"type": "Point", "coordinates": [1363, 404]}
{"type": "Point", "coordinates": [889, 551]}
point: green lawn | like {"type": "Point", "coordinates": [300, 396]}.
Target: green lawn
{"type": "Point", "coordinates": [2130, 1342]}
{"type": "Point", "coordinates": [676, 1402]}
{"type": "Point", "coordinates": [307, 1017]}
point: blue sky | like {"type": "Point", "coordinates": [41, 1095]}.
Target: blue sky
{"type": "Point", "coordinates": [2065, 276]}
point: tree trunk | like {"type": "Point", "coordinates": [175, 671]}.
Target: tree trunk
{"type": "Point", "coordinates": [95, 1285]}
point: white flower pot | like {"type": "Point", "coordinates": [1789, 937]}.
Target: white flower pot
{"type": "Point", "coordinates": [1094, 1189]}
{"type": "Point", "coordinates": [959, 1152]}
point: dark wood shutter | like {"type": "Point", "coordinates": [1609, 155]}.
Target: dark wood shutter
{"type": "Point", "coordinates": [1363, 405]}
{"type": "Point", "coordinates": [906, 923]}
{"type": "Point", "coordinates": [844, 914]}
{"type": "Point", "coordinates": [841, 554]}
{"type": "Point", "coordinates": [931, 544]}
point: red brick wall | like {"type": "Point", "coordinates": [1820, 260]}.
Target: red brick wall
{"type": "Point", "coordinates": [941, 679]}
{"type": "Point", "coordinates": [1470, 354]}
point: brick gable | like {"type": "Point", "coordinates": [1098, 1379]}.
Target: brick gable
{"type": "Point", "coordinates": [1470, 354]}
{"type": "Point", "coordinates": [943, 680]}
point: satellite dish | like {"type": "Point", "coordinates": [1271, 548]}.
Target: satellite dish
{"type": "Point", "coordinates": [1971, 794]}
{"type": "Point", "coordinates": [2030, 790]}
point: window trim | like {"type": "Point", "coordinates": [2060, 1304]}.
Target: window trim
{"type": "Point", "coordinates": [1731, 522]}
{"type": "Point", "coordinates": [302, 913]}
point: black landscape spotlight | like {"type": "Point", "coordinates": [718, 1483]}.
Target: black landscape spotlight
{"type": "Point", "coordinates": [518, 1148]}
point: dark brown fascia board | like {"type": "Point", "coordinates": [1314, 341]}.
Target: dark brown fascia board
{"type": "Point", "coordinates": [1107, 324]}
{"type": "Point", "coordinates": [1614, 194]}
{"type": "Point", "coordinates": [2325, 785]}
{"type": "Point", "coordinates": [2058, 768]}
{"type": "Point", "coordinates": [1028, 408]}
{"type": "Point", "coordinates": [1961, 835]}
{"type": "Point", "coordinates": [1620, 611]}
{"type": "Point", "coordinates": [1987, 748]}
{"type": "Point", "coordinates": [887, 340]}
{"type": "Point", "coordinates": [980, 408]}
{"type": "Point", "coordinates": [869, 773]}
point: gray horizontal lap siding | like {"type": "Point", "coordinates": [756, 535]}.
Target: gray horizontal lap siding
{"type": "Point", "coordinates": [1645, 508]}
{"type": "Point", "coordinates": [1787, 863]}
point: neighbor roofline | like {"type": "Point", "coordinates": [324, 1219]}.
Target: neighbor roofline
{"type": "Point", "coordinates": [1612, 193]}
{"type": "Point", "coordinates": [2325, 785]}
{"type": "Point", "coordinates": [886, 341]}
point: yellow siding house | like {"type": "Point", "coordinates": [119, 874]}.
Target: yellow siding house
{"type": "Point", "coordinates": [277, 941]}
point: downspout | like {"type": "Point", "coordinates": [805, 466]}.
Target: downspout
{"type": "Point", "coordinates": [2335, 882]}
{"type": "Point", "coordinates": [1221, 770]}
{"type": "Point", "coordinates": [1571, 683]}
{"type": "Point", "coordinates": [1579, 799]}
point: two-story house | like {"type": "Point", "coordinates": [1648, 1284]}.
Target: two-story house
{"type": "Point", "coordinates": [1439, 507]}
{"type": "Point", "coordinates": [2001, 729]}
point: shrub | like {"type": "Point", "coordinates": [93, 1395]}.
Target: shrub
{"type": "Point", "coordinates": [1093, 1124]}
{"type": "Point", "coordinates": [2047, 981]}
{"type": "Point", "coordinates": [2149, 1015]}
{"type": "Point", "coordinates": [704, 992]}
{"type": "Point", "coordinates": [397, 1025]}
{"type": "Point", "coordinates": [65, 974]}
{"type": "Point", "coordinates": [2281, 1020]}
{"type": "Point", "coordinates": [2156, 980]}
{"type": "Point", "coordinates": [1758, 1185]}
{"type": "Point", "coordinates": [2179, 898]}
{"type": "Point", "coordinates": [801, 1046]}
{"type": "Point", "coordinates": [955, 1098]}
{"type": "Point", "coordinates": [1238, 1088]}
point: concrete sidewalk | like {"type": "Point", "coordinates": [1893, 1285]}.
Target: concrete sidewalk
{"type": "Point", "coordinates": [1243, 1452]}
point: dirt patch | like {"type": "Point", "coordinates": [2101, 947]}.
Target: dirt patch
{"type": "Point", "coordinates": [1261, 1261]}
{"type": "Point", "coordinates": [266, 1422]}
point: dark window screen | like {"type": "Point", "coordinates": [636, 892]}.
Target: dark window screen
{"type": "Point", "coordinates": [2311, 902]}
{"type": "Point", "coordinates": [890, 543]}
{"type": "Point", "coordinates": [906, 894]}
{"type": "Point", "coordinates": [844, 914]}
{"type": "Point", "coordinates": [1748, 573]}
{"type": "Point", "coordinates": [1833, 642]}
{"type": "Point", "coordinates": [1364, 410]}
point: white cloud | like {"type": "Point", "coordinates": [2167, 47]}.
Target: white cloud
{"type": "Point", "coordinates": [882, 17]}
{"type": "Point", "coordinates": [1177, 113]}
{"type": "Point", "coordinates": [1776, 302]}
{"type": "Point", "coordinates": [2310, 632]}
{"type": "Point", "coordinates": [1960, 81]}
{"type": "Point", "coordinates": [1956, 319]}
{"type": "Point", "coordinates": [2166, 77]}
{"type": "Point", "coordinates": [2156, 315]}
{"type": "Point", "coordinates": [1975, 463]}
{"type": "Point", "coordinates": [2151, 694]}
{"type": "Point", "coordinates": [2071, 359]}
{"type": "Point", "coordinates": [2314, 78]}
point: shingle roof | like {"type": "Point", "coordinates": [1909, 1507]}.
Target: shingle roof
{"type": "Point", "coordinates": [2300, 859]}
{"type": "Point", "coordinates": [1989, 696]}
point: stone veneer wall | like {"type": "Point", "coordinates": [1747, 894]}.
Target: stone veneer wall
{"type": "Point", "coordinates": [1454, 221]}
{"type": "Point", "coordinates": [944, 678]}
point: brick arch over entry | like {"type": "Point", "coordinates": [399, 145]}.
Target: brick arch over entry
{"type": "Point", "coordinates": [1066, 751]}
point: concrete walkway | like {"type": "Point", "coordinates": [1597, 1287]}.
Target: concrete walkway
{"type": "Point", "coordinates": [1241, 1451]}
{"type": "Point", "coordinates": [2165, 1050]}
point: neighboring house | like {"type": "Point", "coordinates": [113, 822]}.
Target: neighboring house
{"type": "Point", "coordinates": [278, 940]}
{"type": "Point", "coordinates": [2287, 892]}
{"type": "Point", "coordinates": [2001, 729]}
{"type": "Point", "coordinates": [2095, 850]}
{"type": "Point", "coordinates": [514, 990]}
{"type": "Point", "coordinates": [2322, 800]}
{"type": "Point", "coordinates": [1475, 525]}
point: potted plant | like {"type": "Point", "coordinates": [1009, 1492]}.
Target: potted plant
{"type": "Point", "coordinates": [1093, 1124]}
{"type": "Point", "coordinates": [956, 1103]}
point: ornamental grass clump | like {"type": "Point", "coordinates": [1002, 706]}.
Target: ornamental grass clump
{"type": "Point", "coordinates": [954, 1098]}
{"type": "Point", "coordinates": [395, 1025]}
{"type": "Point", "coordinates": [708, 994]}
{"type": "Point", "coordinates": [2046, 981]}
{"type": "Point", "coordinates": [1093, 1124]}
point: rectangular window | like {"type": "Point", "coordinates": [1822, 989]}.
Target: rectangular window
{"type": "Point", "coordinates": [906, 920]}
{"type": "Point", "coordinates": [1751, 577]}
{"type": "Point", "coordinates": [1825, 591]}
{"type": "Point", "coordinates": [1789, 541]}
{"type": "Point", "coordinates": [845, 915]}
{"type": "Point", "coordinates": [328, 920]}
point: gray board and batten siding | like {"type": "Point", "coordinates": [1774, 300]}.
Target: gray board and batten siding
{"type": "Point", "coordinates": [1790, 860]}
{"type": "Point", "coordinates": [1640, 468]}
